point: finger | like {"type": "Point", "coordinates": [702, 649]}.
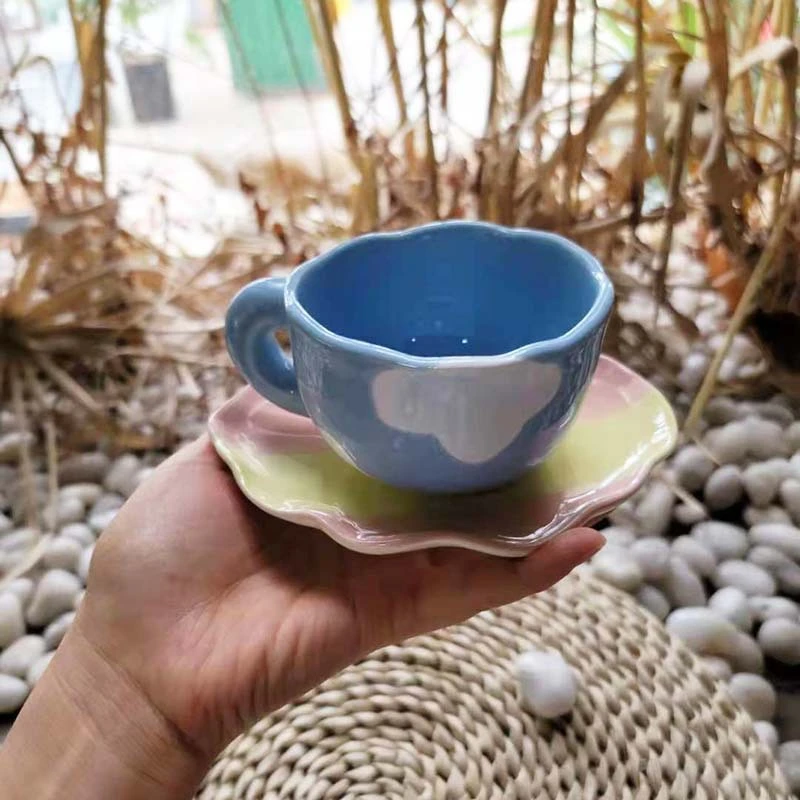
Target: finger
{"type": "Point", "coordinates": [555, 559]}
{"type": "Point", "coordinates": [500, 581]}
{"type": "Point", "coordinates": [472, 582]}
{"type": "Point", "coordinates": [199, 450]}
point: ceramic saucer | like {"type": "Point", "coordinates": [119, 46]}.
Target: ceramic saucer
{"type": "Point", "coordinates": [624, 427]}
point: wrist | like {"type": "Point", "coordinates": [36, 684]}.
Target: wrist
{"type": "Point", "coordinates": [88, 726]}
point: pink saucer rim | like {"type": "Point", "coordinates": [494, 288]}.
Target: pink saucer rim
{"type": "Point", "coordinates": [330, 523]}
{"type": "Point", "coordinates": [374, 542]}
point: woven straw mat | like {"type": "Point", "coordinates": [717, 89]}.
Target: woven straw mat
{"type": "Point", "coordinates": [440, 717]}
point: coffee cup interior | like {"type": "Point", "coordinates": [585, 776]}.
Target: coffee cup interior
{"type": "Point", "coordinates": [453, 291]}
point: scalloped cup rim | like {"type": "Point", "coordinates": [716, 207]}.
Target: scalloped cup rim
{"type": "Point", "coordinates": [594, 317]}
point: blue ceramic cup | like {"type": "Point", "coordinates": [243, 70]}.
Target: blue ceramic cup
{"type": "Point", "coordinates": [446, 358]}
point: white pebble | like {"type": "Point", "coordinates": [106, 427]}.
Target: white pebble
{"type": "Point", "coordinates": [84, 468]}
{"type": "Point", "coordinates": [693, 467]}
{"type": "Point", "coordinates": [8, 561]}
{"type": "Point", "coordinates": [624, 514]}
{"type": "Point", "coordinates": [54, 595]}
{"type": "Point", "coordinates": [108, 502]}
{"type": "Point", "coordinates": [13, 693]}
{"type": "Point", "coordinates": [780, 566]}
{"type": "Point", "coordinates": [793, 436]}
{"type": "Point", "coordinates": [23, 588]}
{"type": "Point", "coordinates": [689, 514]}
{"type": "Point", "coordinates": [781, 399]}
{"type": "Point", "coordinates": [747, 408]}
{"type": "Point", "coordinates": [789, 762]}
{"type": "Point", "coordinates": [121, 478]}
{"type": "Point", "coordinates": [618, 568]}
{"type": "Point", "coordinates": [155, 394]}
{"type": "Point", "coordinates": [100, 521]}
{"type": "Point", "coordinates": [57, 629]}
{"type": "Point", "coordinates": [143, 474]}
{"type": "Point", "coordinates": [764, 608]}
{"type": "Point", "coordinates": [775, 412]}
{"type": "Point", "coordinates": [548, 684]}
{"type": "Point", "coordinates": [87, 493]}
{"type": "Point", "coordinates": [693, 369]}
{"type": "Point", "coordinates": [5, 523]}
{"type": "Point", "coordinates": [617, 536]}
{"type": "Point", "coordinates": [758, 516]}
{"type": "Point", "coordinates": [655, 509]}
{"type": "Point", "coordinates": [785, 538]}
{"type": "Point", "coordinates": [19, 494]}
{"type": "Point", "coordinates": [761, 482]}
{"type": "Point", "coordinates": [765, 439]}
{"type": "Point", "coordinates": [62, 553]}
{"type": "Point", "coordinates": [697, 555]}
{"type": "Point", "coordinates": [85, 563]}
{"type": "Point", "coordinates": [703, 630]}
{"type": "Point", "coordinates": [721, 410]}
{"type": "Point", "coordinates": [724, 488]}
{"type": "Point", "coordinates": [37, 669]}
{"type": "Point", "coordinates": [732, 604]}
{"type": "Point", "coordinates": [747, 655]}
{"type": "Point", "coordinates": [780, 639]}
{"type": "Point", "coordinates": [654, 601]}
{"type": "Point", "coordinates": [707, 318]}
{"type": "Point", "coordinates": [79, 532]}
{"type": "Point", "coordinates": [731, 368]}
{"type": "Point", "coordinates": [780, 466]}
{"type": "Point", "coordinates": [20, 540]}
{"type": "Point", "coordinates": [750, 578]}
{"type": "Point", "coordinates": [755, 694]}
{"type": "Point", "coordinates": [728, 444]}
{"type": "Point", "coordinates": [718, 667]}
{"type": "Point", "coordinates": [768, 735]}
{"type": "Point", "coordinates": [17, 658]}
{"type": "Point", "coordinates": [67, 510]}
{"type": "Point", "coordinates": [790, 497]}
{"type": "Point", "coordinates": [652, 555]}
{"type": "Point", "coordinates": [682, 586]}
{"type": "Point", "coordinates": [12, 443]}
{"type": "Point", "coordinates": [12, 621]}
{"type": "Point", "coordinates": [8, 421]}
{"type": "Point", "coordinates": [726, 541]}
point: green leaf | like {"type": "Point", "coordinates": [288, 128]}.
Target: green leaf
{"type": "Point", "coordinates": [132, 11]}
{"type": "Point", "coordinates": [689, 24]}
{"type": "Point", "coordinates": [625, 38]}
{"type": "Point", "coordinates": [524, 30]}
{"type": "Point", "coordinates": [196, 41]}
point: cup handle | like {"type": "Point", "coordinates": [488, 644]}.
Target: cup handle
{"type": "Point", "coordinates": [255, 314]}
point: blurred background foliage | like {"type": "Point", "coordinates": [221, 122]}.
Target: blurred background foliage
{"type": "Point", "coordinates": [643, 130]}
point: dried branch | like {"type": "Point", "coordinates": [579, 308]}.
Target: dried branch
{"type": "Point", "coordinates": [765, 263]}
{"type": "Point", "coordinates": [430, 154]}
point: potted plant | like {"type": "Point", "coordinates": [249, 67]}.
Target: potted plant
{"type": "Point", "coordinates": [144, 65]}
{"type": "Point", "coordinates": [146, 68]}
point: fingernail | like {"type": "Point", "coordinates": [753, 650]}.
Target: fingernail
{"type": "Point", "coordinates": [600, 543]}
{"type": "Point", "coordinates": [590, 542]}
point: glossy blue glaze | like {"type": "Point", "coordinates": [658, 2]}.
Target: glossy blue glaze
{"type": "Point", "coordinates": [445, 358]}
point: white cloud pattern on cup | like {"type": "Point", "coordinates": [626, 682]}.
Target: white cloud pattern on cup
{"type": "Point", "coordinates": [474, 412]}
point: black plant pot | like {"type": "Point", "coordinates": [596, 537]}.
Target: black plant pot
{"type": "Point", "coordinates": [150, 90]}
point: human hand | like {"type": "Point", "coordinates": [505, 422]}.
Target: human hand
{"type": "Point", "coordinates": [207, 613]}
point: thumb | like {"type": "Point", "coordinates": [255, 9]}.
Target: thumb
{"type": "Point", "coordinates": [470, 582]}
